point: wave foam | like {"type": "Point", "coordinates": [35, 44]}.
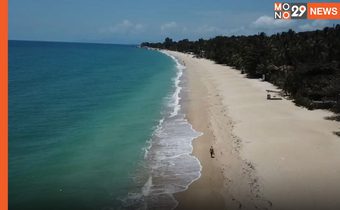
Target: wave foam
{"type": "Point", "coordinates": [170, 165]}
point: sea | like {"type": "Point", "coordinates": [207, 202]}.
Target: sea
{"type": "Point", "coordinates": [97, 126]}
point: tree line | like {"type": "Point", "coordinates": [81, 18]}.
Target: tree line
{"type": "Point", "coordinates": [305, 65]}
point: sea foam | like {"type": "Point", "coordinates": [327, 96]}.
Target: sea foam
{"type": "Point", "coordinates": [170, 166]}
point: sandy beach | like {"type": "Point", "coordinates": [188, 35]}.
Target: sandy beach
{"type": "Point", "coordinates": [270, 154]}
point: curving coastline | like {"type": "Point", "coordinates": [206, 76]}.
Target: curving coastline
{"type": "Point", "coordinates": [269, 154]}
{"type": "Point", "coordinates": [170, 165]}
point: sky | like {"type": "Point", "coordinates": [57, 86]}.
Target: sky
{"type": "Point", "coordinates": [136, 21]}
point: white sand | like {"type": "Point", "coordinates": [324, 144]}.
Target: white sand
{"type": "Point", "coordinates": [269, 153]}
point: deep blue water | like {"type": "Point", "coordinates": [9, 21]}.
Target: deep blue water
{"type": "Point", "coordinates": [79, 118]}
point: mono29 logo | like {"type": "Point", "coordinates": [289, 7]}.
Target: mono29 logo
{"type": "Point", "coordinates": [287, 11]}
{"type": "Point", "coordinates": [290, 10]}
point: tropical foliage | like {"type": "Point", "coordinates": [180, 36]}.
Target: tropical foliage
{"type": "Point", "coordinates": [305, 65]}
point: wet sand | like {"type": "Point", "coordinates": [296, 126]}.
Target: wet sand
{"type": "Point", "coordinates": [270, 154]}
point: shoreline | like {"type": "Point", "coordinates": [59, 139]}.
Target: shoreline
{"type": "Point", "coordinates": [209, 191]}
{"type": "Point", "coordinates": [265, 150]}
{"type": "Point", "coordinates": [172, 167]}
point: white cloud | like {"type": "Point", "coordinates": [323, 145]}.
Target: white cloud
{"type": "Point", "coordinates": [267, 22]}
{"type": "Point", "coordinates": [316, 24]}
{"type": "Point", "coordinates": [270, 25]}
{"type": "Point", "coordinates": [124, 27]}
{"type": "Point", "coordinates": [169, 26]}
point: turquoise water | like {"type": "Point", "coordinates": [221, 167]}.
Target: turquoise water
{"type": "Point", "coordinates": [79, 118]}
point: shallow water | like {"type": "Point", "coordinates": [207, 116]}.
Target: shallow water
{"type": "Point", "coordinates": [96, 126]}
{"type": "Point", "coordinates": [80, 116]}
{"type": "Point", "coordinates": [169, 164]}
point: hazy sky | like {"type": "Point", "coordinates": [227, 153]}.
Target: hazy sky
{"type": "Point", "coordinates": [135, 21]}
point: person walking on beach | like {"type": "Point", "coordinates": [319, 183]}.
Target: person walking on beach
{"type": "Point", "coordinates": [212, 152]}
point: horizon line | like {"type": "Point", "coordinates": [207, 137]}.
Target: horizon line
{"type": "Point", "coordinates": [70, 42]}
{"type": "Point", "coordinates": [134, 44]}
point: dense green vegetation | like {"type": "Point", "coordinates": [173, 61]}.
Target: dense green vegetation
{"type": "Point", "coordinates": [305, 65]}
